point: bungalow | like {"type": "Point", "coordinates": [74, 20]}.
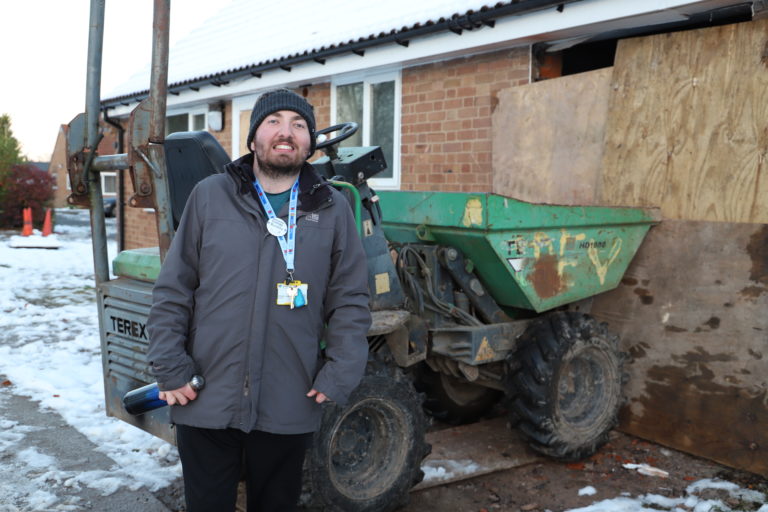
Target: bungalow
{"type": "Point", "coordinates": [421, 78]}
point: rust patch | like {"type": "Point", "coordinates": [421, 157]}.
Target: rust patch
{"type": "Point", "coordinates": [545, 278]}
{"type": "Point", "coordinates": [764, 56]}
{"type": "Point", "coordinates": [685, 410]}
{"type": "Point", "coordinates": [629, 281]}
{"type": "Point", "coordinates": [701, 356]}
{"type": "Point", "coordinates": [713, 323]}
{"type": "Point", "coordinates": [758, 251]}
{"type": "Point", "coordinates": [645, 296]}
{"type": "Point", "coordinates": [674, 328]}
{"type": "Point", "coordinates": [753, 292]}
{"type": "Point", "coordinates": [638, 351]}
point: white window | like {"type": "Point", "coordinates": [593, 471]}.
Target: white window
{"type": "Point", "coordinates": [109, 184]}
{"type": "Point", "coordinates": [372, 101]}
{"type": "Point", "coordinates": [191, 120]}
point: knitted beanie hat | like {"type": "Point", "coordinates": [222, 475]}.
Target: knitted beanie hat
{"type": "Point", "coordinates": [282, 99]}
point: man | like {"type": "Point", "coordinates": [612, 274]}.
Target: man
{"type": "Point", "coordinates": [266, 261]}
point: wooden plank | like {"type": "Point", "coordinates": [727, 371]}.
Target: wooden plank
{"type": "Point", "coordinates": [691, 312]}
{"type": "Point", "coordinates": [687, 126]}
{"type": "Point", "coordinates": [473, 450]}
{"type": "Point", "coordinates": [548, 139]}
{"type": "Point", "coordinates": [245, 126]}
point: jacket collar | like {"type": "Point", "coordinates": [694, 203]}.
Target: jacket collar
{"type": "Point", "coordinates": [314, 190]}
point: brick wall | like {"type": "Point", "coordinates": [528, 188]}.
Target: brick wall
{"type": "Point", "coordinates": [446, 119]}
{"type": "Point", "coordinates": [446, 139]}
{"type": "Point", "coordinates": [140, 225]}
{"type": "Point", "coordinates": [58, 169]}
{"type": "Point", "coordinates": [225, 136]}
{"type": "Point", "coordinates": [319, 95]}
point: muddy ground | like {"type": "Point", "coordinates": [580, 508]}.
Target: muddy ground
{"type": "Point", "coordinates": [547, 485]}
{"type": "Point", "coordinates": [554, 486]}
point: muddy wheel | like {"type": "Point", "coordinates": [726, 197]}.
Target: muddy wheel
{"type": "Point", "coordinates": [565, 383]}
{"type": "Point", "coordinates": [367, 455]}
{"type": "Point", "coordinates": [454, 400]}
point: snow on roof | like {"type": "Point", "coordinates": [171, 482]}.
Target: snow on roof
{"type": "Point", "coordinates": [246, 33]}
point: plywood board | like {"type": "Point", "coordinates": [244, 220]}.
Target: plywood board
{"type": "Point", "coordinates": [245, 126]}
{"type": "Point", "coordinates": [687, 127]}
{"type": "Point", "coordinates": [691, 313]}
{"type": "Point", "coordinates": [548, 139]}
{"type": "Point", "coordinates": [472, 450]}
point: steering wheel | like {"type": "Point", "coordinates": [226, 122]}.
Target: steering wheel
{"type": "Point", "coordinates": [346, 130]}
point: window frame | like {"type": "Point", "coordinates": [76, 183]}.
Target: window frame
{"type": "Point", "coordinates": [369, 79]}
{"type": "Point", "coordinates": [191, 113]}
{"type": "Point", "coordinates": [104, 176]}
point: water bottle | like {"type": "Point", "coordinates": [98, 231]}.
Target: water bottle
{"type": "Point", "coordinates": [147, 398]}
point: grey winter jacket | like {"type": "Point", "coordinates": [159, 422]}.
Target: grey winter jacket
{"type": "Point", "coordinates": [214, 309]}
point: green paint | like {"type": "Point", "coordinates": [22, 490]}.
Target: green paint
{"type": "Point", "coordinates": [529, 256]}
{"type": "Point", "coordinates": [142, 264]}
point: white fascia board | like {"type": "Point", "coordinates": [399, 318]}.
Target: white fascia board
{"type": "Point", "coordinates": [578, 19]}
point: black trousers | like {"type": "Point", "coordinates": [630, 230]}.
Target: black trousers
{"type": "Point", "coordinates": [214, 460]}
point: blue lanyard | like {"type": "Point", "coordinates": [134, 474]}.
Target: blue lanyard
{"type": "Point", "coordinates": [288, 246]}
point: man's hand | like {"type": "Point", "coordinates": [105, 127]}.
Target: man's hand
{"type": "Point", "coordinates": [319, 397]}
{"type": "Point", "coordinates": [181, 396]}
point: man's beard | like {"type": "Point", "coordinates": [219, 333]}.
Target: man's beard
{"type": "Point", "coordinates": [276, 168]}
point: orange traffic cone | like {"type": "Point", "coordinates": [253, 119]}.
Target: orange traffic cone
{"type": "Point", "coordinates": [27, 215]}
{"type": "Point", "coordinates": [47, 226]}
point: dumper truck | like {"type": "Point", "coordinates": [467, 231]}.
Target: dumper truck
{"type": "Point", "coordinates": [475, 298]}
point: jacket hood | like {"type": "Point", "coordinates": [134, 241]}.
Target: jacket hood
{"type": "Point", "coordinates": [313, 188]}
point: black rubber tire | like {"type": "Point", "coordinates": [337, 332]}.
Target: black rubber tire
{"type": "Point", "coordinates": [367, 456]}
{"type": "Point", "coordinates": [453, 400]}
{"type": "Point", "coordinates": [565, 385]}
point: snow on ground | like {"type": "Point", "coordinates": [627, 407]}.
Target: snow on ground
{"type": "Point", "coordinates": [447, 469]}
{"type": "Point", "coordinates": [695, 500]}
{"type": "Point", "coordinates": [49, 350]}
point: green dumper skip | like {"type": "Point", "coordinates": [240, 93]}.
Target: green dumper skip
{"type": "Point", "coordinates": [529, 256]}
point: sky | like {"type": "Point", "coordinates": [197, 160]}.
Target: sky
{"type": "Point", "coordinates": [43, 57]}
{"type": "Point", "coordinates": [49, 326]}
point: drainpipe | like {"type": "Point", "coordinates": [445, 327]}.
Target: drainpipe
{"type": "Point", "coordinates": [120, 182]}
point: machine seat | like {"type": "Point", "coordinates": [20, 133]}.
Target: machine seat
{"type": "Point", "coordinates": [190, 157]}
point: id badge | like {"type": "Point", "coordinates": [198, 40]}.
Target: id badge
{"type": "Point", "coordinates": [293, 294]}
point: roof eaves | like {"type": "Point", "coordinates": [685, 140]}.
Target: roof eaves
{"type": "Point", "coordinates": [457, 23]}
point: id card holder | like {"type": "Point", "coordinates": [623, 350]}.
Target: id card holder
{"type": "Point", "coordinates": [293, 294]}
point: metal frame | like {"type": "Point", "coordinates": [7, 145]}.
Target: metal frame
{"type": "Point", "coordinates": [145, 158]}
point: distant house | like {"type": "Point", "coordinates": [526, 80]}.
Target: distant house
{"type": "Point", "coordinates": [58, 169]}
{"type": "Point", "coordinates": [43, 166]}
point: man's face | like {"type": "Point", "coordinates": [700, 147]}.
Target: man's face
{"type": "Point", "coordinates": [281, 143]}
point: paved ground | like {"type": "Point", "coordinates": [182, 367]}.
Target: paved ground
{"type": "Point", "coordinates": [41, 438]}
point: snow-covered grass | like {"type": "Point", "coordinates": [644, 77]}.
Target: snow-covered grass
{"type": "Point", "coordinates": [49, 350]}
